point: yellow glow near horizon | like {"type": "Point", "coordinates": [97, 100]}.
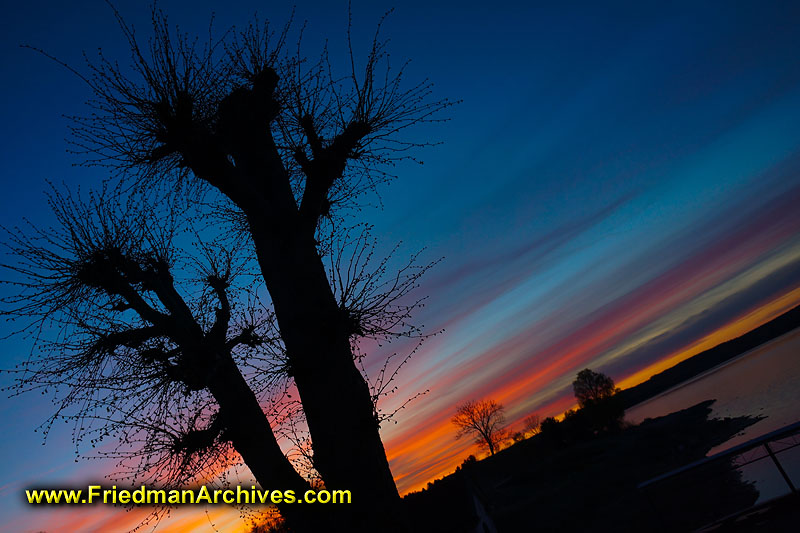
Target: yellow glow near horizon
{"type": "Point", "coordinates": [736, 328]}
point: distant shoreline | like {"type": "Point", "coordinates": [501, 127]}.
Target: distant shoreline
{"type": "Point", "coordinates": [709, 359]}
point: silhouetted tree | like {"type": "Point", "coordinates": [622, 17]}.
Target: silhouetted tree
{"type": "Point", "coordinates": [469, 462]}
{"type": "Point", "coordinates": [600, 407]}
{"type": "Point", "coordinates": [484, 421]}
{"type": "Point", "coordinates": [549, 426]}
{"type": "Point", "coordinates": [282, 148]}
{"type": "Point", "coordinates": [531, 425]}
{"type": "Point", "coordinates": [590, 386]}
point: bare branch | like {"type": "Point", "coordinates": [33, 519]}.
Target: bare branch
{"type": "Point", "coordinates": [130, 357]}
{"type": "Point", "coordinates": [483, 420]}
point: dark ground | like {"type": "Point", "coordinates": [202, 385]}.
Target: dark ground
{"type": "Point", "coordinates": [552, 483]}
{"type": "Point", "coordinates": [781, 514]}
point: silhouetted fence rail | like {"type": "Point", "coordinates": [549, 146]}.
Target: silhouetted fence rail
{"type": "Point", "coordinates": [712, 489]}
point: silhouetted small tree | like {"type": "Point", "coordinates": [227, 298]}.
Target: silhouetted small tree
{"type": "Point", "coordinates": [600, 407]}
{"type": "Point", "coordinates": [469, 462]}
{"type": "Point", "coordinates": [483, 420]}
{"type": "Point", "coordinates": [590, 386]}
{"type": "Point", "coordinates": [550, 429]}
{"type": "Point", "coordinates": [531, 425]}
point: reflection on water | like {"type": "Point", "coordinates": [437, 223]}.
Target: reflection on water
{"type": "Point", "coordinates": [768, 479]}
{"type": "Point", "coordinates": [762, 382]}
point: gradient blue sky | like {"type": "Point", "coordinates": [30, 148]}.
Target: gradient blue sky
{"type": "Point", "coordinates": [618, 189]}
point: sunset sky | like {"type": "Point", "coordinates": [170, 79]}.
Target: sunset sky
{"type": "Point", "coordinates": [619, 189]}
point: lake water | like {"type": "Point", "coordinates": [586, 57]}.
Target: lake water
{"type": "Point", "coordinates": [764, 381]}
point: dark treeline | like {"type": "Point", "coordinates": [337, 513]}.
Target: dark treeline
{"type": "Point", "coordinates": [710, 358]}
{"type": "Point", "coordinates": [562, 480]}
{"type": "Point", "coordinates": [594, 461]}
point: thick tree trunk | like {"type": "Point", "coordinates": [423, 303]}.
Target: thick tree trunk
{"type": "Point", "coordinates": [348, 451]}
{"type": "Point", "coordinates": [250, 433]}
